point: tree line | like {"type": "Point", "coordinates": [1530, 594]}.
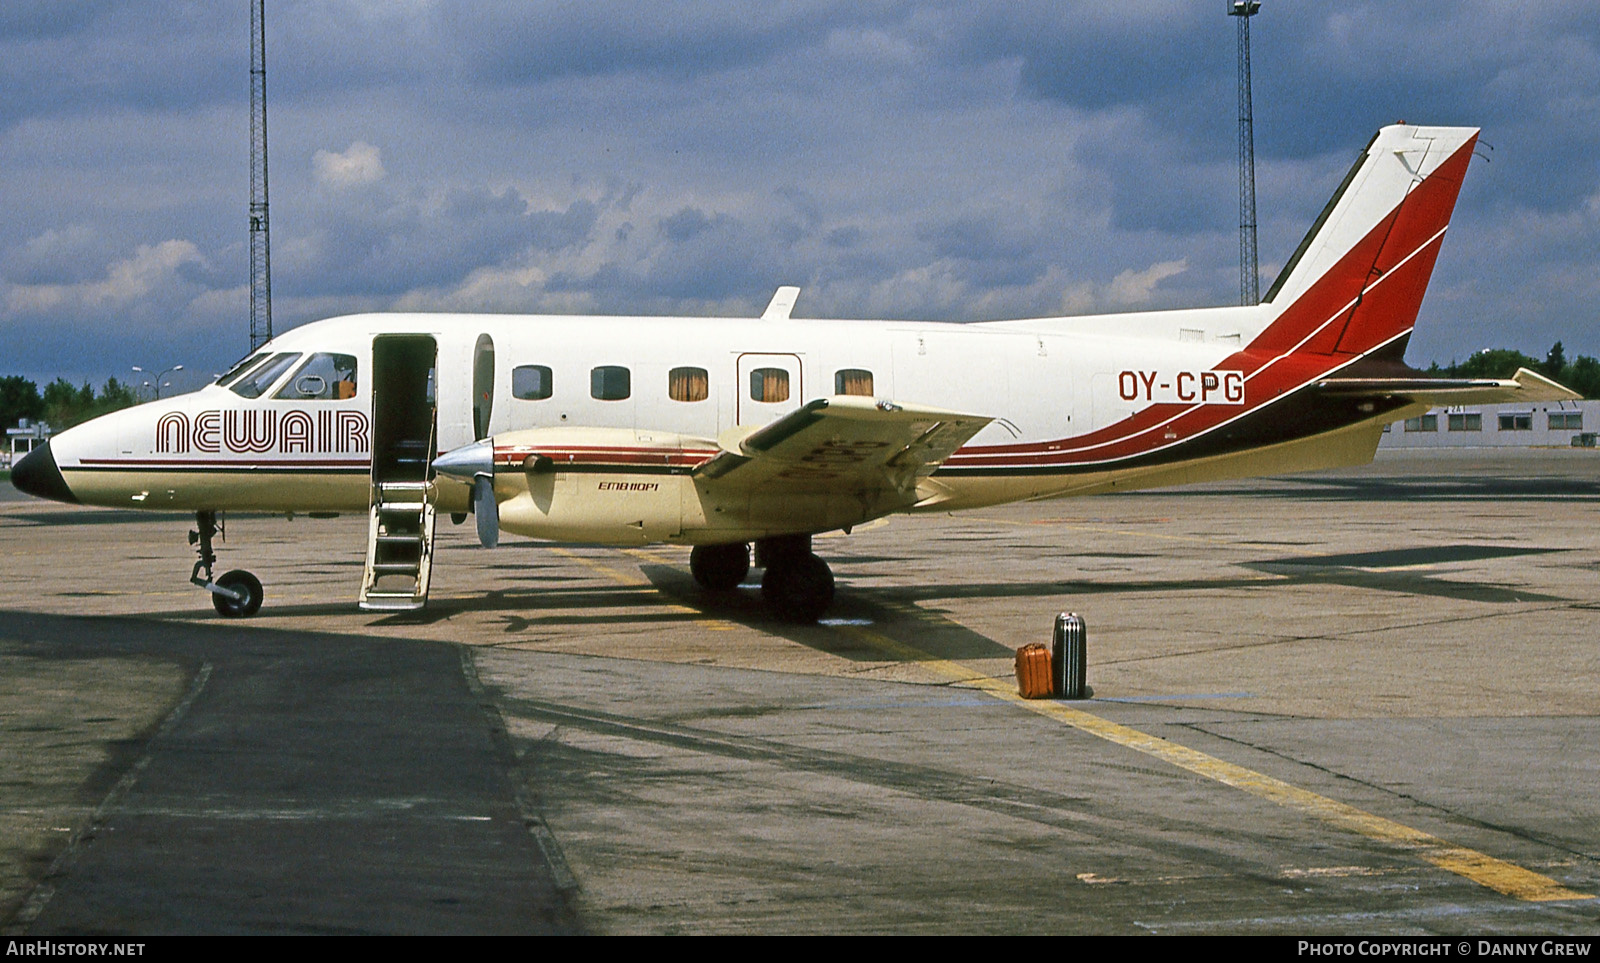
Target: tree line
{"type": "Point", "coordinates": [60, 404]}
{"type": "Point", "coordinates": [1581, 374]}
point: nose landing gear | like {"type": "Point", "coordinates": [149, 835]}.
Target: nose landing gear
{"type": "Point", "coordinates": [237, 594]}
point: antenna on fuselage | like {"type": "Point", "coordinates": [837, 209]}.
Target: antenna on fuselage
{"type": "Point", "coordinates": [782, 304]}
{"type": "Point", "coordinates": [260, 234]}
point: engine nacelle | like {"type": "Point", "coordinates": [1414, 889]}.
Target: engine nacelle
{"type": "Point", "coordinates": [611, 485]}
{"type": "Point", "coordinates": [630, 487]}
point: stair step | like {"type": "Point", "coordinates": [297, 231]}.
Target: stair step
{"type": "Point", "coordinates": [385, 602]}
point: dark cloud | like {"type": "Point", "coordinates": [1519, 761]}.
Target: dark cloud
{"type": "Point", "coordinates": [949, 160]}
{"type": "Point", "coordinates": [515, 46]}
{"type": "Point", "coordinates": [92, 58]}
{"type": "Point", "coordinates": [374, 241]}
{"type": "Point", "coordinates": [41, 19]}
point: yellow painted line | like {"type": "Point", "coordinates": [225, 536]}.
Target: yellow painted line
{"type": "Point", "coordinates": [634, 581]}
{"type": "Point", "coordinates": [1496, 874]}
{"type": "Point", "coordinates": [621, 578]}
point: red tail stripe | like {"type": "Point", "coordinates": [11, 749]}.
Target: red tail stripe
{"type": "Point", "coordinates": [1368, 298]}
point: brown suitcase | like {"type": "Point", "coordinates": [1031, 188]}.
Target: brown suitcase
{"type": "Point", "coordinates": [1034, 680]}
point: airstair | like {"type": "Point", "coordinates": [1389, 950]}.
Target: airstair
{"type": "Point", "coordinates": [401, 525]}
{"type": "Point", "coordinates": [399, 547]}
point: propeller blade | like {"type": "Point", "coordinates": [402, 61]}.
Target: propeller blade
{"type": "Point", "coordinates": [487, 511]}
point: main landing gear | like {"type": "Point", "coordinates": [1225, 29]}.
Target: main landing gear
{"type": "Point", "coordinates": [237, 594]}
{"type": "Point", "coordinates": [797, 585]}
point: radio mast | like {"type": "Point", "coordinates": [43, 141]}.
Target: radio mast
{"type": "Point", "coordinates": [1249, 277]}
{"type": "Point", "coordinates": [260, 234]}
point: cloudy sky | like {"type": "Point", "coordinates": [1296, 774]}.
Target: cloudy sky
{"type": "Point", "coordinates": [954, 161]}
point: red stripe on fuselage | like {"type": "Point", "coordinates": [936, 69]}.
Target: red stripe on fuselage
{"type": "Point", "coordinates": [217, 463]}
{"type": "Point", "coordinates": [514, 456]}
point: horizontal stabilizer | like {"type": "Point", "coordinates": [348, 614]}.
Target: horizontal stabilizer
{"type": "Point", "coordinates": [1525, 385]}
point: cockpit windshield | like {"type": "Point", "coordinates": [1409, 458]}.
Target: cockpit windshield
{"type": "Point", "coordinates": [259, 379]}
{"type": "Point", "coordinates": [240, 368]}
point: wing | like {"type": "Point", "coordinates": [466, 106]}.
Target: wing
{"type": "Point", "coordinates": [1525, 385]}
{"type": "Point", "coordinates": [845, 445]}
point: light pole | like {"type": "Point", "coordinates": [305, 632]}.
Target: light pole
{"type": "Point", "coordinates": [157, 379]}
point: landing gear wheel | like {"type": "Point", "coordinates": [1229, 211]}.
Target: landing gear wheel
{"type": "Point", "coordinates": [799, 588]}
{"type": "Point", "coordinates": [246, 585]}
{"type": "Point", "coordinates": [720, 568]}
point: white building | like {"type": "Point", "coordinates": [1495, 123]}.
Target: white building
{"type": "Point", "coordinates": [27, 436]}
{"type": "Point", "coordinates": [1557, 423]}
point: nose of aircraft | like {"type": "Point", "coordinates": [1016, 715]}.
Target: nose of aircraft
{"type": "Point", "coordinates": [37, 475]}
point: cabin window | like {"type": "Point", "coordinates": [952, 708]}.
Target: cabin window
{"type": "Point", "coordinates": [256, 383]}
{"type": "Point", "coordinates": [325, 377]}
{"type": "Point", "coordinates": [770, 385]}
{"type": "Point", "coordinates": [610, 382]}
{"type": "Point", "coordinates": [688, 384]}
{"type": "Point", "coordinates": [530, 382]}
{"type": "Point", "coordinates": [852, 381]}
{"type": "Point", "coordinates": [1465, 421]}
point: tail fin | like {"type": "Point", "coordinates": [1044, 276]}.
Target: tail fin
{"type": "Point", "coordinates": [1356, 282]}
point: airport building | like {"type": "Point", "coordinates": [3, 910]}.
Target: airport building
{"type": "Point", "coordinates": [1544, 424]}
{"type": "Point", "coordinates": [25, 437]}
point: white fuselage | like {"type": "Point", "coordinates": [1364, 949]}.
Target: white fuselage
{"type": "Point", "coordinates": [1055, 392]}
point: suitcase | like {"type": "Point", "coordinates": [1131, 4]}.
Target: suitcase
{"type": "Point", "coordinates": [1069, 656]}
{"type": "Point", "coordinates": [1033, 671]}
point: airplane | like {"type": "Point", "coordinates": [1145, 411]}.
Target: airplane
{"type": "Point", "coordinates": [723, 433]}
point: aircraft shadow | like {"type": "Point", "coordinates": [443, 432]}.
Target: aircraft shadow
{"type": "Point", "coordinates": [888, 610]}
{"type": "Point", "coordinates": [1424, 488]}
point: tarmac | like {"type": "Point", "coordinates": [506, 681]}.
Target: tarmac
{"type": "Point", "coordinates": [1355, 702]}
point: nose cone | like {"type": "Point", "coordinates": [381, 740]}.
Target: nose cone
{"type": "Point", "coordinates": [37, 475]}
{"type": "Point", "coordinates": [468, 461]}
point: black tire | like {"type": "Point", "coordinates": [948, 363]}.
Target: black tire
{"type": "Point", "coordinates": [720, 568]}
{"type": "Point", "coordinates": [241, 581]}
{"type": "Point", "coordinates": [799, 588]}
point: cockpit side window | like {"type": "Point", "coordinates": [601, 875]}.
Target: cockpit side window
{"type": "Point", "coordinates": [256, 383]}
{"type": "Point", "coordinates": [324, 377]}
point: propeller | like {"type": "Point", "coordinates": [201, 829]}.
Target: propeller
{"type": "Point", "coordinates": [487, 511]}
